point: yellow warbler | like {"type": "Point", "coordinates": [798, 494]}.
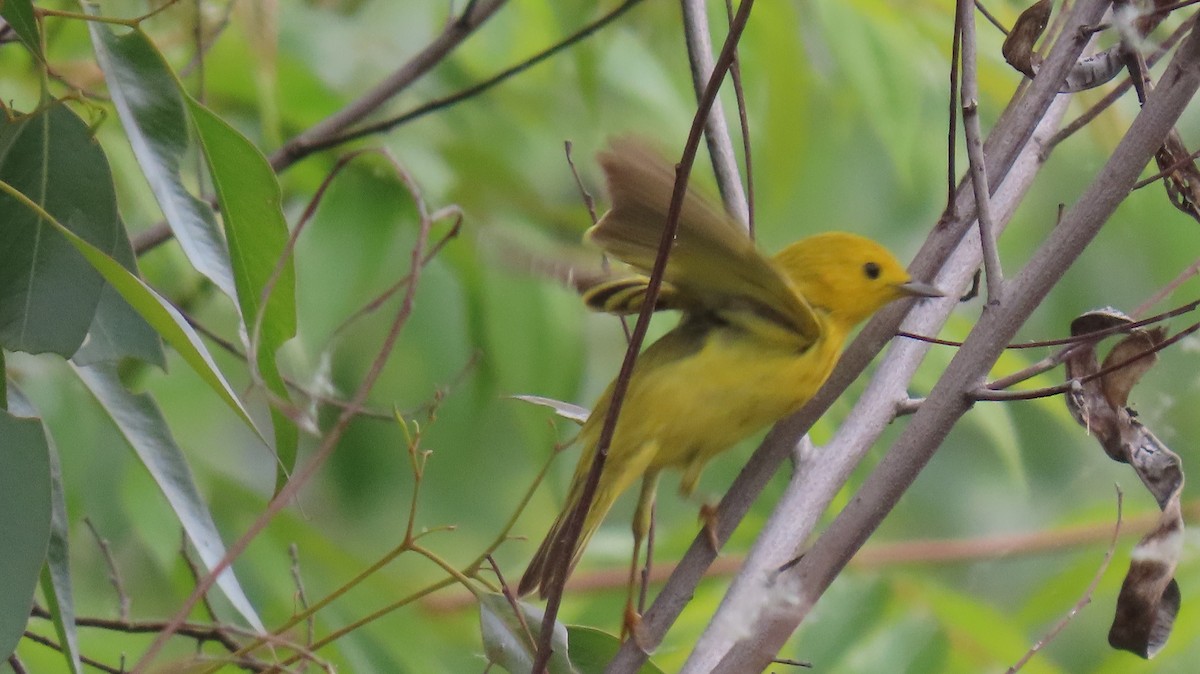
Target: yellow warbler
{"type": "Point", "coordinates": [758, 337]}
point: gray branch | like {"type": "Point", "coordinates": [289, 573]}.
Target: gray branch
{"type": "Point", "coordinates": [716, 131]}
{"type": "Point", "coordinates": [817, 482]}
{"type": "Point", "coordinates": [948, 401]}
{"type": "Point", "coordinates": [1002, 148]}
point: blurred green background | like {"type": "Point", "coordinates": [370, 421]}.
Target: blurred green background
{"type": "Point", "coordinates": [847, 106]}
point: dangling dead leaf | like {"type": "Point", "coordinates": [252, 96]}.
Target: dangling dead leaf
{"type": "Point", "coordinates": [1018, 46]}
{"type": "Point", "coordinates": [565, 410]}
{"type": "Point", "coordinates": [1182, 179]}
{"type": "Point", "coordinates": [1149, 599]}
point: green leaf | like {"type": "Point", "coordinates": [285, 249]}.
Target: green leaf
{"type": "Point", "coordinates": [48, 293]}
{"type": "Point", "coordinates": [593, 649]}
{"type": "Point", "coordinates": [117, 331]}
{"type": "Point", "coordinates": [19, 14]}
{"type": "Point", "coordinates": [158, 312]}
{"type": "Point", "coordinates": [257, 231]}
{"type": "Point", "coordinates": [142, 424]}
{"type": "Point", "coordinates": [507, 643]}
{"type": "Point", "coordinates": [151, 107]}
{"type": "Point", "coordinates": [24, 521]}
{"type": "Point", "coordinates": [56, 575]}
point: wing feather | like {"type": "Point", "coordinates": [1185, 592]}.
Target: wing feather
{"type": "Point", "coordinates": [713, 263]}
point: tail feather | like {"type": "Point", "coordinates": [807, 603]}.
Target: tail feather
{"type": "Point", "coordinates": [544, 567]}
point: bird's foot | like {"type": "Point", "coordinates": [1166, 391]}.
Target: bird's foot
{"type": "Point", "coordinates": [708, 515]}
{"type": "Point", "coordinates": [631, 622]}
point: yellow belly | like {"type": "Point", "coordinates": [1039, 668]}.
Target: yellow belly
{"type": "Point", "coordinates": [679, 412]}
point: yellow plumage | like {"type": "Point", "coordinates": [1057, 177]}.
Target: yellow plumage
{"type": "Point", "coordinates": [757, 338]}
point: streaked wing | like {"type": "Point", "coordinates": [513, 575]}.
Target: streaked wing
{"type": "Point", "coordinates": [626, 295]}
{"type": "Point", "coordinates": [713, 263]}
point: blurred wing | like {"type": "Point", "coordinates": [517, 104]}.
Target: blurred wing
{"type": "Point", "coordinates": [713, 263]}
{"type": "Point", "coordinates": [625, 296]}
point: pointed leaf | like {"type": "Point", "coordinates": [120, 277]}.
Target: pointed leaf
{"type": "Point", "coordinates": [24, 521]}
{"type": "Point", "coordinates": [56, 575]}
{"type": "Point", "coordinates": [506, 642]}
{"type": "Point", "coordinates": [142, 424]}
{"type": "Point", "coordinates": [254, 224]}
{"type": "Point", "coordinates": [19, 14]}
{"type": "Point", "coordinates": [149, 102]}
{"type": "Point", "coordinates": [117, 331]}
{"type": "Point", "coordinates": [158, 312]}
{"type": "Point", "coordinates": [593, 649]}
{"type": "Point", "coordinates": [48, 293]}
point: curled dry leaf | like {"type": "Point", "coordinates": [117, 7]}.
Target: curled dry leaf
{"type": "Point", "coordinates": [1090, 71]}
{"type": "Point", "coordinates": [563, 409]}
{"type": "Point", "coordinates": [1018, 46]}
{"type": "Point", "coordinates": [1149, 599]}
{"type": "Point", "coordinates": [1182, 178]}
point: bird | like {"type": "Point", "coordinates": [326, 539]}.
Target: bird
{"type": "Point", "coordinates": [757, 337]}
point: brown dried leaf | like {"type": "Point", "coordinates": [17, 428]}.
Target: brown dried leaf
{"type": "Point", "coordinates": [1018, 46]}
{"type": "Point", "coordinates": [1182, 180]}
{"type": "Point", "coordinates": [1087, 401]}
{"type": "Point", "coordinates": [1149, 599]}
{"type": "Point", "coordinates": [1136, 351]}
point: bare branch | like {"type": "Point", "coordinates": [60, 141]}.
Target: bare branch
{"type": "Point", "coordinates": [451, 37]}
{"type": "Point", "coordinates": [1005, 144]}
{"type": "Point", "coordinates": [947, 402]}
{"type": "Point", "coordinates": [575, 522]}
{"type": "Point", "coordinates": [716, 131]}
{"type": "Point", "coordinates": [302, 476]}
{"type": "Point", "coordinates": [114, 573]}
{"type": "Point", "coordinates": [974, 138]}
{"type": "Point", "coordinates": [1084, 600]}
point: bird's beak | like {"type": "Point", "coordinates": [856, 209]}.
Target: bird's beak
{"type": "Point", "coordinates": [919, 289]}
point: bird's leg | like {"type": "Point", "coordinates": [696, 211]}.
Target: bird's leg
{"type": "Point", "coordinates": [642, 518]}
{"type": "Point", "coordinates": [708, 515]}
{"type": "Point", "coordinates": [708, 511]}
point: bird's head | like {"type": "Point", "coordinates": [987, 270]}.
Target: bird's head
{"type": "Point", "coordinates": [847, 277]}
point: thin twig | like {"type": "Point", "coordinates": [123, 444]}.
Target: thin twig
{"type": "Point", "coordinates": [195, 573]}
{"type": "Point", "coordinates": [930, 552]}
{"type": "Point", "coordinates": [990, 17]}
{"type": "Point", "coordinates": [574, 522]}
{"type": "Point", "coordinates": [1160, 294]}
{"type": "Point", "coordinates": [302, 476]}
{"type": "Point", "coordinates": [1083, 600]}
{"type": "Point", "coordinates": [114, 573]}
{"type": "Point", "coordinates": [974, 140]}
{"type": "Point", "coordinates": [697, 37]}
{"type": "Point", "coordinates": [951, 209]}
{"type": "Point", "coordinates": [1091, 336]}
{"type": "Point", "coordinates": [202, 47]}
{"type": "Point", "coordinates": [590, 204]}
{"type": "Point", "coordinates": [988, 393]}
{"type": "Point", "coordinates": [588, 201]}
{"type": "Point", "coordinates": [512, 602]}
{"type": "Point", "coordinates": [301, 595]}
{"type": "Point", "coordinates": [735, 74]}
{"type": "Point", "coordinates": [281, 160]}
{"type": "Point", "coordinates": [1144, 182]}
{"type": "Point", "coordinates": [45, 641]}
{"type": "Point", "coordinates": [326, 133]}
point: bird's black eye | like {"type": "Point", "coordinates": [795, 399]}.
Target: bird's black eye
{"type": "Point", "coordinates": [871, 269]}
